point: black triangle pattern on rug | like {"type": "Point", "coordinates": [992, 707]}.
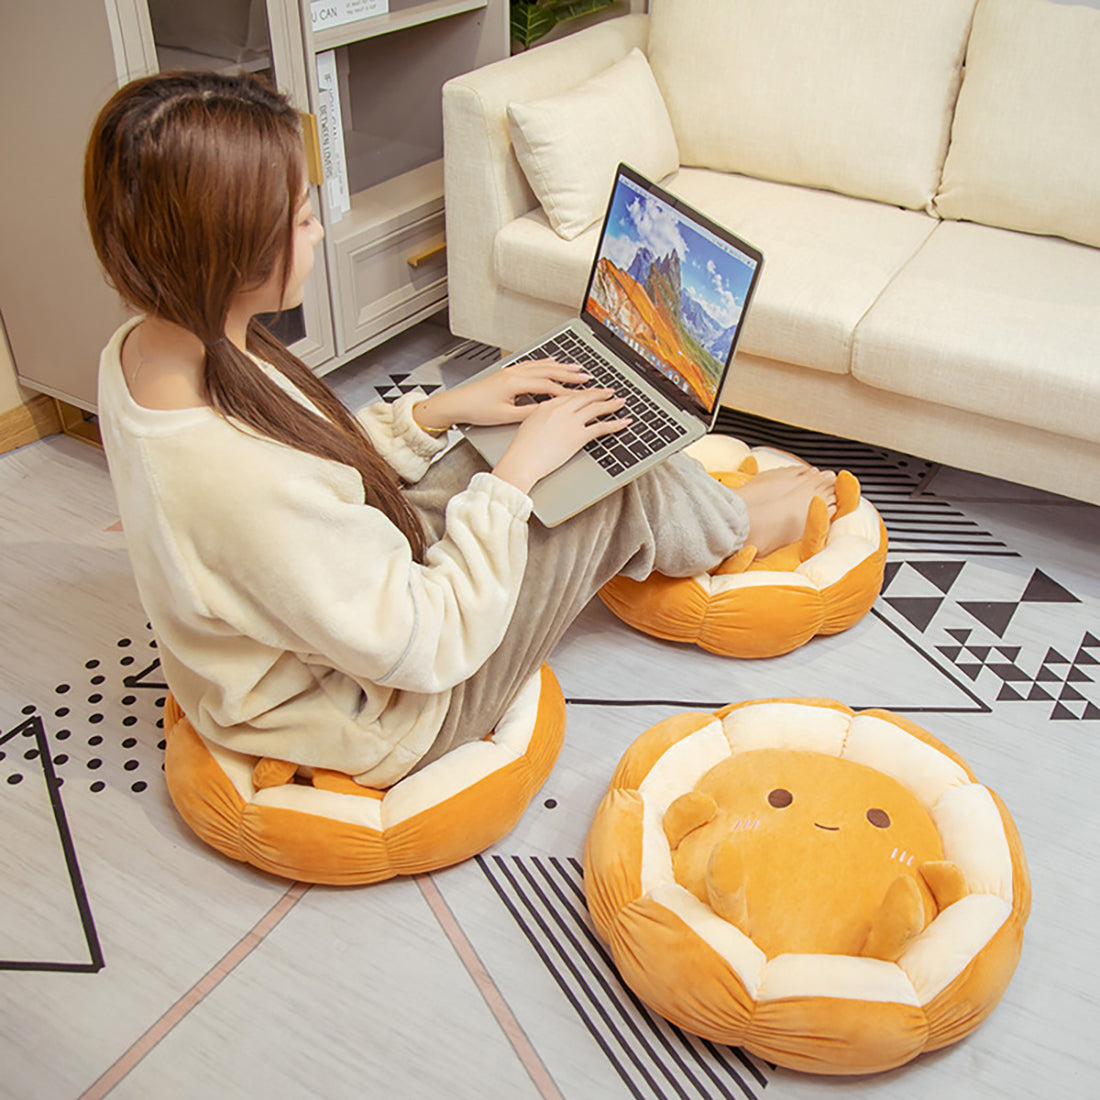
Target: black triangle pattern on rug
{"type": "Point", "coordinates": [1054, 681]}
{"type": "Point", "coordinates": [943, 574]}
{"type": "Point", "coordinates": [391, 390]}
{"type": "Point", "coordinates": [889, 572]}
{"type": "Point", "coordinates": [1041, 589]}
{"type": "Point", "coordinates": [919, 590]}
{"type": "Point", "coordinates": [997, 614]}
{"type": "Point", "coordinates": [1073, 704]}
{"type": "Point", "coordinates": [919, 611]}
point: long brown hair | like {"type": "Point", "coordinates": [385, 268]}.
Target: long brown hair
{"type": "Point", "coordinates": [191, 185]}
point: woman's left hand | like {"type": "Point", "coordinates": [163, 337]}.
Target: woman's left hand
{"type": "Point", "coordinates": [498, 397]}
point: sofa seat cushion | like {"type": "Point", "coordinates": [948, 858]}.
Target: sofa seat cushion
{"type": "Point", "coordinates": [1025, 146]}
{"type": "Point", "coordinates": [851, 95]}
{"type": "Point", "coordinates": [998, 323]}
{"type": "Point", "coordinates": [531, 258]}
{"type": "Point", "coordinates": [827, 258]}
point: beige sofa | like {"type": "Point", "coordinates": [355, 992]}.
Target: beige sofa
{"type": "Point", "coordinates": [923, 177]}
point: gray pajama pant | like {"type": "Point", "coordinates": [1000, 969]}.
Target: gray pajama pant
{"type": "Point", "coordinates": [675, 519]}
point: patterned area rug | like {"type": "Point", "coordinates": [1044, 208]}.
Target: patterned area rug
{"type": "Point", "coordinates": [161, 969]}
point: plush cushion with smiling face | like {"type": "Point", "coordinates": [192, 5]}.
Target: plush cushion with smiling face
{"type": "Point", "coordinates": [833, 891]}
{"type": "Point", "coordinates": [840, 847]}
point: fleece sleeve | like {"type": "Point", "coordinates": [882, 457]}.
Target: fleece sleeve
{"type": "Point", "coordinates": [398, 438]}
{"type": "Point", "coordinates": [327, 577]}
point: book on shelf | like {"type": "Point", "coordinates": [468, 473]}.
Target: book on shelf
{"type": "Point", "coordinates": [330, 133]}
{"type": "Point", "coordinates": [335, 13]}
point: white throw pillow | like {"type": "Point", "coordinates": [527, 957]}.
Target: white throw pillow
{"type": "Point", "coordinates": [1025, 148]}
{"type": "Point", "coordinates": [569, 145]}
{"type": "Point", "coordinates": [852, 96]}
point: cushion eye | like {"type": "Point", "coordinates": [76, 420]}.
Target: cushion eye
{"type": "Point", "coordinates": [879, 818]}
{"type": "Point", "coordinates": [780, 798]}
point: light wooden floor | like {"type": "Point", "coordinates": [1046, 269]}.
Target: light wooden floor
{"type": "Point", "coordinates": [134, 962]}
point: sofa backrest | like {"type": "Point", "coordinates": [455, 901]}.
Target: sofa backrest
{"type": "Point", "coordinates": [854, 96]}
{"type": "Point", "coordinates": [1025, 145]}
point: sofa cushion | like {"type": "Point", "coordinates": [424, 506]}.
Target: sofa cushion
{"type": "Point", "coordinates": [827, 258]}
{"type": "Point", "coordinates": [570, 144]}
{"type": "Point", "coordinates": [857, 99]}
{"type": "Point", "coordinates": [1025, 147]}
{"type": "Point", "coordinates": [998, 323]}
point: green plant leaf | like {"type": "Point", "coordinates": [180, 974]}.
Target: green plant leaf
{"type": "Point", "coordinates": [571, 10]}
{"type": "Point", "coordinates": [531, 19]}
{"type": "Point", "coordinates": [530, 22]}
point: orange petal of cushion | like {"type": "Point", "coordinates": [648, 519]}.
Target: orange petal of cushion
{"type": "Point", "coordinates": [269, 772]}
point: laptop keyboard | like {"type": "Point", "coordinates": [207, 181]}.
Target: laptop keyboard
{"type": "Point", "coordinates": [651, 428]}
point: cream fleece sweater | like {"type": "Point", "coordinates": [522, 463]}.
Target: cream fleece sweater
{"type": "Point", "coordinates": [290, 618]}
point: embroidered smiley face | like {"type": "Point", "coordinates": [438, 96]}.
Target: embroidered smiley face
{"type": "Point", "coordinates": [800, 849]}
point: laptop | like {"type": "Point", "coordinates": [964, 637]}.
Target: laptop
{"type": "Point", "coordinates": [662, 314]}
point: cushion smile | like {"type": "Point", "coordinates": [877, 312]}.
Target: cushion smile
{"type": "Point", "coordinates": [831, 828]}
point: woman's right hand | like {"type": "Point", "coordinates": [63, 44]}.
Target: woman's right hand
{"type": "Point", "coordinates": [555, 431]}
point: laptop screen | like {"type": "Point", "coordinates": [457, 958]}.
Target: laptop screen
{"type": "Point", "coordinates": [671, 285]}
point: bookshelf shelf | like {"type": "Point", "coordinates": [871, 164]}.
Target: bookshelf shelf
{"type": "Point", "coordinates": [386, 73]}
{"type": "Point", "coordinates": [397, 20]}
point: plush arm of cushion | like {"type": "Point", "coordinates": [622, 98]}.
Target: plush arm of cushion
{"type": "Point", "coordinates": [484, 185]}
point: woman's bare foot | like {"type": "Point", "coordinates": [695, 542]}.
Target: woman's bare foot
{"type": "Point", "coordinates": [777, 501]}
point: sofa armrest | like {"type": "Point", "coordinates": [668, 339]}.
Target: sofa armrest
{"type": "Point", "coordinates": [484, 187]}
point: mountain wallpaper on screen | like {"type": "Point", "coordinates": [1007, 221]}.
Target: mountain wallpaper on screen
{"type": "Point", "coordinates": [646, 306]}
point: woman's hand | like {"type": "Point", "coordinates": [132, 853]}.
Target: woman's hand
{"type": "Point", "coordinates": [497, 398]}
{"type": "Point", "coordinates": [555, 430]}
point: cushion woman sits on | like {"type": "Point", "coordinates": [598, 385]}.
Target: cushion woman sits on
{"type": "Point", "coordinates": [321, 590]}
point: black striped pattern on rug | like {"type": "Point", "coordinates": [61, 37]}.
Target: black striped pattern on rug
{"type": "Point", "coordinates": [654, 1060]}
{"type": "Point", "coordinates": [918, 522]}
{"type": "Point", "coordinates": [479, 356]}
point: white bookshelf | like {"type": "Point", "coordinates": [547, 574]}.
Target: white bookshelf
{"type": "Point", "coordinates": [386, 253]}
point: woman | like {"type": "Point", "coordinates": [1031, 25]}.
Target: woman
{"type": "Point", "coordinates": [320, 591]}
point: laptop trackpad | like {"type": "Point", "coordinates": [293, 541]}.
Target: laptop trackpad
{"type": "Point", "coordinates": [491, 441]}
{"type": "Point", "coordinates": [570, 489]}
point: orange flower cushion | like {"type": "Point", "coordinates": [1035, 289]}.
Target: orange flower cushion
{"type": "Point", "coordinates": [762, 607]}
{"type": "Point", "coordinates": [833, 891]}
{"type": "Point", "coordinates": [333, 830]}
